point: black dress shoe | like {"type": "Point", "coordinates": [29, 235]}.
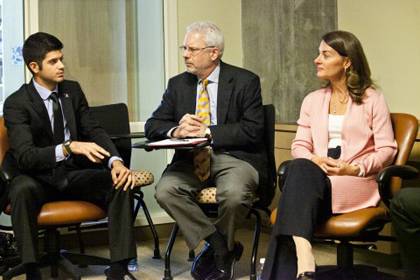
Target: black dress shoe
{"type": "Point", "coordinates": [228, 271]}
{"type": "Point", "coordinates": [203, 263]}
{"type": "Point", "coordinates": [306, 276]}
{"type": "Point", "coordinates": [32, 271]}
{"type": "Point", "coordinates": [127, 276]}
{"type": "Point", "coordinates": [34, 277]}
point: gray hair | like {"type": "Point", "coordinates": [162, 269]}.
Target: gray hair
{"type": "Point", "coordinates": [213, 34]}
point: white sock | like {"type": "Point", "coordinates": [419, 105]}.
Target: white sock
{"type": "Point", "coordinates": [305, 257]}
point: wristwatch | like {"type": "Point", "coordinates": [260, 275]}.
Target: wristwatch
{"type": "Point", "coordinates": [66, 146]}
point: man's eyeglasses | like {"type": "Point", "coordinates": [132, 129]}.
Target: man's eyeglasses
{"type": "Point", "coordinates": [193, 51]}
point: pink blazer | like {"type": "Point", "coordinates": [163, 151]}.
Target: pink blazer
{"type": "Point", "coordinates": [367, 140]}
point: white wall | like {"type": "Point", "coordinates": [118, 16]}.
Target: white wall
{"type": "Point", "coordinates": [225, 14]}
{"type": "Point", "coordinates": [390, 34]}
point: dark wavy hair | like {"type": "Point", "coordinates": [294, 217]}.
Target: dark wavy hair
{"type": "Point", "coordinates": [358, 74]}
{"type": "Point", "coordinates": [37, 46]}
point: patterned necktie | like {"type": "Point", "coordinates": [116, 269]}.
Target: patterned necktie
{"type": "Point", "coordinates": [58, 119]}
{"type": "Point", "coordinates": [202, 155]}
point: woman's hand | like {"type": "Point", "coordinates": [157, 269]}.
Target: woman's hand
{"type": "Point", "coordinates": [335, 167]}
{"type": "Point", "coordinates": [322, 162]}
{"type": "Point", "coordinates": [341, 168]}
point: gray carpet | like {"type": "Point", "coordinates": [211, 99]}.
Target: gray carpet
{"type": "Point", "coordinates": [151, 269]}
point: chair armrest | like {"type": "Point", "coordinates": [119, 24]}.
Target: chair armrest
{"type": "Point", "coordinates": [281, 172]}
{"type": "Point", "coordinates": [5, 176]}
{"type": "Point", "coordinates": [5, 179]}
{"type": "Point", "coordinates": [384, 177]}
{"type": "Point", "coordinates": [403, 171]}
{"type": "Point", "coordinates": [142, 178]}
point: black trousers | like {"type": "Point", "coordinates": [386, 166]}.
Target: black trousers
{"type": "Point", "coordinates": [27, 195]}
{"type": "Point", "coordinates": [304, 203]}
{"type": "Point", "coordinates": [405, 214]}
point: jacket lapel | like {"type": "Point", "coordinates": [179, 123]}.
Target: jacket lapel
{"type": "Point", "coordinates": [191, 91]}
{"type": "Point", "coordinates": [39, 107]}
{"type": "Point", "coordinates": [224, 93]}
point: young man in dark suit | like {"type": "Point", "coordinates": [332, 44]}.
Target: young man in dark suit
{"type": "Point", "coordinates": [233, 120]}
{"type": "Point", "coordinates": [57, 151]}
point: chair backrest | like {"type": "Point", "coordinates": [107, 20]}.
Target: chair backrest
{"type": "Point", "coordinates": [266, 192]}
{"type": "Point", "coordinates": [405, 128]}
{"type": "Point", "coordinates": [4, 146]}
{"type": "Point", "coordinates": [4, 141]}
{"type": "Point", "coordinates": [114, 119]}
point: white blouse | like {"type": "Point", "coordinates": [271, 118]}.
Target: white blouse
{"type": "Point", "coordinates": [335, 126]}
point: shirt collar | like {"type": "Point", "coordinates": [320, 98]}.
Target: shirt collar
{"type": "Point", "coordinates": [42, 91]}
{"type": "Point", "coordinates": [214, 76]}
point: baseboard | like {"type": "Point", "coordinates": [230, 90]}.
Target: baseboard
{"type": "Point", "coordinates": [97, 237]}
{"type": "Point", "coordinates": [158, 218]}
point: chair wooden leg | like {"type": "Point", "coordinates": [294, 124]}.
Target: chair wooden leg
{"type": "Point", "coordinates": [156, 253]}
{"type": "Point", "coordinates": [167, 275]}
{"type": "Point", "coordinates": [255, 242]}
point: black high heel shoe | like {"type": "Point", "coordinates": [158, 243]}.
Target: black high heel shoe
{"type": "Point", "coordinates": [306, 276]}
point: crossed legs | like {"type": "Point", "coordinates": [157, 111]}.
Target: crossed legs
{"type": "Point", "coordinates": [236, 183]}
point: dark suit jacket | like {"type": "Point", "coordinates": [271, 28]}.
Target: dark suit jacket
{"type": "Point", "coordinates": [240, 117]}
{"type": "Point", "coordinates": [32, 149]}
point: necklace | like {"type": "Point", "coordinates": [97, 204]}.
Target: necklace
{"type": "Point", "coordinates": [344, 100]}
{"type": "Point", "coordinates": [337, 101]}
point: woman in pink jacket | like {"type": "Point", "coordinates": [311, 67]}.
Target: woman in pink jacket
{"type": "Point", "coordinates": [344, 139]}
